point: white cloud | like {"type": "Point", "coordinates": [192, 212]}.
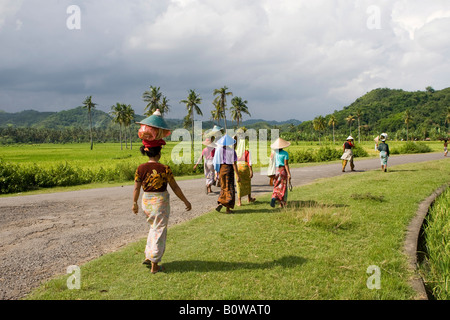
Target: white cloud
{"type": "Point", "coordinates": [8, 9]}
{"type": "Point", "coordinates": [306, 57]}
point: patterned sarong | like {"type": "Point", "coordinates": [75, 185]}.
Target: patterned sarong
{"type": "Point", "coordinates": [156, 206]}
{"type": "Point", "coordinates": [209, 172]}
{"type": "Point", "coordinates": [244, 187]}
{"type": "Point", "coordinates": [384, 158]}
{"type": "Point", "coordinates": [280, 188]}
{"type": "Point", "coordinates": [226, 178]}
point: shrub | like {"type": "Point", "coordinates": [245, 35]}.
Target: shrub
{"type": "Point", "coordinates": [412, 147]}
{"type": "Point", "coordinates": [327, 154]}
{"type": "Point", "coordinates": [359, 152]}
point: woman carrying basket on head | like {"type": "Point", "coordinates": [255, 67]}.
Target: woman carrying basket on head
{"type": "Point", "coordinates": [154, 177]}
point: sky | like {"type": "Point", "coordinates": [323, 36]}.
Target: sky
{"type": "Point", "coordinates": [290, 59]}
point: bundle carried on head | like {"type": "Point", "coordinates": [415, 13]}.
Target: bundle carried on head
{"type": "Point", "coordinates": [153, 130]}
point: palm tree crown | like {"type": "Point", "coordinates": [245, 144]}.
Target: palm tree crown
{"type": "Point", "coordinates": [89, 105]}
{"type": "Point", "coordinates": [239, 107]}
{"type": "Point", "coordinates": [221, 101]}
{"type": "Point", "coordinates": [192, 102]}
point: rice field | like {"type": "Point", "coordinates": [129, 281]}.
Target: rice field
{"type": "Point", "coordinates": [37, 166]}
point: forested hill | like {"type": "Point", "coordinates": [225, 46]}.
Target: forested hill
{"type": "Point", "coordinates": [383, 110]}
{"type": "Point", "coordinates": [78, 118]}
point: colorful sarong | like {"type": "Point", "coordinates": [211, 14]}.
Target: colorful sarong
{"type": "Point", "coordinates": [156, 206]}
{"type": "Point", "coordinates": [384, 158]}
{"type": "Point", "coordinates": [244, 187]}
{"type": "Point", "coordinates": [280, 188]}
{"type": "Point", "coordinates": [209, 172]}
{"type": "Point", "coordinates": [227, 197]}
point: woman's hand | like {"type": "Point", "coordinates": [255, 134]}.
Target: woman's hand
{"type": "Point", "coordinates": [188, 206]}
{"type": "Point", "coordinates": [135, 208]}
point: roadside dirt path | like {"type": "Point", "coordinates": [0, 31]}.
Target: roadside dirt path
{"type": "Point", "coordinates": [41, 235]}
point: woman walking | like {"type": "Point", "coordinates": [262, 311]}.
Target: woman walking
{"type": "Point", "coordinates": [283, 174]}
{"type": "Point", "coordinates": [348, 154]}
{"type": "Point", "coordinates": [244, 170]}
{"type": "Point", "coordinates": [153, 177]}
{"type": "Point", "coordinates": [208, 165]}
{"type": "Point", "coordinates": [383, 147]}
{"type": "Point", "coordinates": [225, 164]}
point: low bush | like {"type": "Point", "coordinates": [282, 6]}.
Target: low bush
{"type": "Point", "coordinates": [412, 147]}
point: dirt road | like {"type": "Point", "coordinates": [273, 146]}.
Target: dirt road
{"type": "Point", "coordinates": [41, 235]}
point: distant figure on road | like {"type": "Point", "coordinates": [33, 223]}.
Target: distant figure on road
{"type": "Point", "coordinates": [445, 147]}
{"type": "Point", "coordinates": [154, 177]}
{"type": "Point", "coordinates": [383, 147]}
{"type": "Point", "coordinates": [348, 154]}
{"type": "Point", "coordinates": [283, 174]}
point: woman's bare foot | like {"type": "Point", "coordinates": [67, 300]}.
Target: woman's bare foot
{"type": "Point", "coordinates": [156, 268]}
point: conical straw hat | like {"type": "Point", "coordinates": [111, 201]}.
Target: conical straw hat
{"type": "Point", "coordinates": [280, 144]}
{"type": "Point", "coordinates": [226, 140]}
{"type": "Point", "coordinates": [156, 121]}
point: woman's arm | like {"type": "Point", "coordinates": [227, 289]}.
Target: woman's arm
{"type": "Point", "coordinates": [177, 190]}
{"type": "Point", "coordinates": [198, 161]}
{"type": "Point", "coordinates": [286, 165]}
{"type": "Point", "coordinates": [238, 179]}
{"type": "Point", "coordinates": [136, 192]}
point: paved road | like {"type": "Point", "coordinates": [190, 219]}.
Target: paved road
{"type": "Point", "coordinates": [41, 235]}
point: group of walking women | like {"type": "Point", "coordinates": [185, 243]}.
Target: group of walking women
{"type": "Point", "coordinates": [228, 164]}
{"type": "Point", "coordinates": [226, 161]}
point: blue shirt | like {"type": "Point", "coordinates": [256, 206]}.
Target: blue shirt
{"type": "Point", "coordinates": [280, 156]}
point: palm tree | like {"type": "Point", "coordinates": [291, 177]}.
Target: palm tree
{"type": "Point", "coordinates": [349, 120]}
{"type": "Point", "coordinates": [221, 101]}
{"type": "Point", "coordinates": [192, 102]}
{"type": "Point", "coordinates": [215, 115]}
{"type": "Point", "coordinates": [164, 106]}
{"type": "Point", "coordinates": [408, 118]}
{"type": "Point", "coordinates": [319, 124]}
{"type": "Point", "coordinates": [152, 98]}
{"type": "Point", "coordinates": [128, 118]}
{"type": "Point", "coordinates": [118, 113]}
{"type": "Point", "coordinates": [447, 117]}
{"type": "Point", "coordinates": [239, 107]}
{"type": "Point", "coordinates": [358, 116]}
{"type": "Point", "coordinates": [332, 122]}
{"type": "Point", "coordinates": [89, 105]}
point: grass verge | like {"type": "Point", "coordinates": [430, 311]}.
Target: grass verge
{"type": "Point", "coordinates": [320, 247]}
{"type": "Point", "coordinates": [435, 268]}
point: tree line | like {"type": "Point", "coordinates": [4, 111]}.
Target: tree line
{"type": "Point", "coordinates": [124, 114]}
{"type": "Point", "coordinates": [403, 115]}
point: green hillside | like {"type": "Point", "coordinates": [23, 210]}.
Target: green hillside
{"type": "Point", "coordinates": [383, 110]}
{"type": "Point", "coordinates": [78, 117]}
{"type": "Point", "coordinates": [26, 118]}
